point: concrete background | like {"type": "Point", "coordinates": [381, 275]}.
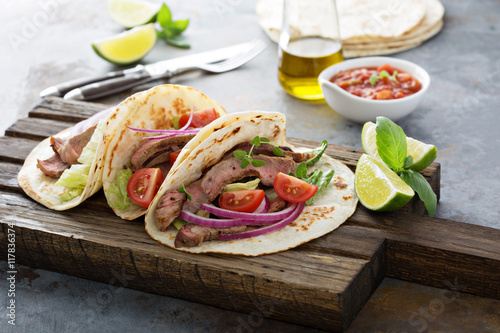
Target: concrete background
{"type": "Point", "coordinates": [46, 42]}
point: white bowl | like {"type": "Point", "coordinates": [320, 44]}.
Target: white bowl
{"type": "Point", "coordinates": [360, 109]}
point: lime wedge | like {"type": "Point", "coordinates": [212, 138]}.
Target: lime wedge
{"type": "Point", "coordinates": [132, 13]}
{"type": "Point", "coordinates": [378, 187]}
{"type": "Point", "coordinates": [127, 47]}
{"type": "Point", "coordinates": [423, 154]}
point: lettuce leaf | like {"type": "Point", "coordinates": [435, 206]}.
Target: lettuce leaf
{"type": "Point", "coordinates": [117, 192]}
{"type": "Point", "coordinates": [75, 177]}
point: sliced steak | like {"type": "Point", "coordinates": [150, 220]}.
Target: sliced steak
{"type": "Point", "coordinates": [198, 196]}
{"type": "Point", "coordinates": [152, 149]}
{"type": "Point", "coordinates": [56, 144]}
{"type": "Point", "coordinates": [52, 167]}
{"type": "Point", "coordinates": [72, 148]}
{"type": "Point", "coordinates": [229, 171]}
{"type": "Point", "coordinates": [276, 205]}
{"type": "Point", "coordinates": [267, 149]}
{"type": "Point", "coordinates": [194, 235]}
{"type": "Point", "coordinates": [168, 208]}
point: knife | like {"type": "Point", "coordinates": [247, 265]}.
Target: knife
{"type": "Point", "coordinates": [142, 72]}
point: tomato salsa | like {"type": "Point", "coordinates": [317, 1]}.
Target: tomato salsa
{"type": "Point", "coordinates": [382, 83]}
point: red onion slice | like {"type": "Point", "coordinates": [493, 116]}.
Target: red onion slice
{"type": "Point", "coordinates": [217, 223]}
{"type": "Point", "coordinates": [163, 131]}
{"type": "Point", "coordinates": [263, 207]}
{"type": "Point", "coordinates": [248, 216]}
{"type": "Point", "coordinates": [83, 125]}
{"type": "Point", "coordinates": [189, 120]}
{"type": "Point", "coordinates": [298, 208]}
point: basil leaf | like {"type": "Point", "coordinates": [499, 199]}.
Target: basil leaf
{"type": "Point", "coordinates": [301, 170]}
{"type": "Point", "coordinates": [319, 152]}
{"type": "Point", "coordinates": [245, 162]}
{"type": "Point", "coordinates": [418, 183]}
{"type": "Point", "coordinates": [164, 17]}
{"type": "Point", "coordinates": [266, 140]}
{"type": "Point", "coordinates": [322, 184]}
{"type": "Point", "coordinates": [240, 154]}
{"type": "Point", "coordinates": [384, 73]}
{"type": "Point", "coordinates": [183, 190]}
{"type": "Point", "coordinates": [277, 151]}
{"type": "Point", "coordinates": [373, 79]}
{"type": "Point", "coordinates": [391, 143]}
{"type": "Point", "coordinates": [178, 41]}
{"type": "Point", "coordinates": [408, 161]}
{"type": "Point", "coordinates": [255, 141]}
{"type": "Point", "coordinates": [258, 163]}
{"type": "Point", "coordinates": [177, 27]}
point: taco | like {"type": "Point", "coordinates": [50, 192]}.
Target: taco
{"type": "Point", "coordinates": [65, 169]}
{"type": "Point", "coordinates": [217, 164]}
{"type": "Point", "coordinates": [140, 154]}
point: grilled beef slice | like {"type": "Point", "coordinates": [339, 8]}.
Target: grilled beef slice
{"type": "Point", "coordinates": [66, 153]}
{"type": "Point", "coordinates": [52, 167]}
{"type": "Point", "coordinates": [227, 171]}
{"type": "Point", "coordinates": [267, 149]}
{"type": "Point", "coordinates": [153, 152]}
{"type": "Point", "coordinates": [72, 148]}
{"type": "Point", "coordinates": [168, 208]}
{"type": "Point", "coordinates": [193, 235]}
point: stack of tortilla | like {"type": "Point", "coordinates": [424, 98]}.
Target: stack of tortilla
{"type": "Point", "coordinates": [367, 27]}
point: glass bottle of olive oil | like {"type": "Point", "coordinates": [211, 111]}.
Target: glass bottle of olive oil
{"type": "Point", "coordinates": [309, 43]}
{"type": "Point", "coordinates": [301, 63]}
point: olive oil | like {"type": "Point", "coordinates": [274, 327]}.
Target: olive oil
{"type": "Point", "coordinates": [301, 63]}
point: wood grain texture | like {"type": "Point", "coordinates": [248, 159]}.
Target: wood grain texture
{"type": "Point", "coordinates": [323, 283]}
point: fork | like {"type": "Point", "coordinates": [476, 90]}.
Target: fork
{"type": "Point", "coordinates": [107, 87]}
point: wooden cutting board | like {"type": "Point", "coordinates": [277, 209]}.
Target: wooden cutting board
{"type": "Point", "coordinates": [321, 284]}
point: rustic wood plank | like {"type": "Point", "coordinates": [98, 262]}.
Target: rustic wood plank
{"type": "Point", "coordinates": [15, 149]}
{"type": "Point", "coordinates": [288, 280]}
{"type": "Point", "coordinates": [8, 176]}
{"type": "Point", "coordinates": [36, 129]}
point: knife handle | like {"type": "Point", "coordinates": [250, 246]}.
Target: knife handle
{"type": "Point", "coordinates": [63, 88]}
{"type": "Point", "coordinates": [108, 87]}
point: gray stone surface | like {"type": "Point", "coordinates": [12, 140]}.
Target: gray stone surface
{"type": "Point", "coordinates": [45, 42]}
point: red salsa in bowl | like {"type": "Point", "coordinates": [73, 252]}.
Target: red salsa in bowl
{"type": "Point", "coordinates": [379, 83]}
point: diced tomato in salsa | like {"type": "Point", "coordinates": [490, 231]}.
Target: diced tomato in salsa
{"type": "Point", "coordinates": [361, 82]}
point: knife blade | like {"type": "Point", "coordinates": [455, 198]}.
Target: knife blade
{"type": "Point", "coordinates": [145, 71]}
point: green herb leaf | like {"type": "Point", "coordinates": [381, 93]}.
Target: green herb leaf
{"type": "Point", "coordinates": [245, 162]}
{"type": "Point", "coordinates": [394, 76]}
{"type": "Point", "coordinates": [373, 79]}
{"type": "Point", "coordinates": [408, 161]}
{"type": "Point", "coordinates": [301, 170]}
{"type": "Point", "coordinates": [240, 154]}
{"type": "Point", "coordinates": [391, 143]}
{"type": "Point", "coordinates": [322, 182]}
{"type": "Point", "coordinates": [277, 151]}
{"type": "Point", "coordinates": [258, 163]}
{"type": "Point", "coordinates": [384, 73]}
{"type": "Point", "coordinates": [179, 41]}
{"type": "Point", "coordinates": [177, 27]}
{"type": "Point", "coordinates": [266, 140]}
{"type": "Point", "coordinates": [164, 17]}
{"type": "Point", "coordinates": [183, 190]}
{"type": "Point", "coordinates": [318, 152]}
{"type": "Point", "coordinates": [418, 183]}
{"type": "Point", "coordinates": [255, 141]}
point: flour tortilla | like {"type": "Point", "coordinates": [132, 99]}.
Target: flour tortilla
{"type": "Point", "coordinates": [44, 190]}
{"type": "Point", "coordinates": [153, 109]}
{"type": "Point", "coordinates": [367, 27]}
{"type": "Point", "coordinates": [327, 214]}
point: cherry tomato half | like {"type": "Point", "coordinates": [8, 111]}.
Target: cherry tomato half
{"type": "Point", "coordinates": [241, 201]}
{"type": "Point", "coordinates": [200, 118]}
{"type": "Point", "coordinates": [293, 189]}
{"type": "Point", "coordinates": [143, 185]}
{"type": "Point", "coordinates": [173, 156]}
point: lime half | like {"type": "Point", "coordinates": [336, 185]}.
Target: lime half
{"type": "Point", "coordinates": [132, 13]}
{"type": "Point", "coordinates": [423, 154]}
{"type": "Point", "coordinates": [378, 187]}
{"type": "Point", "coordinates": [128, 47]}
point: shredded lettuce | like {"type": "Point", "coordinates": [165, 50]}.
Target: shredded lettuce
{"type": "Point", "coordinates": [117, 192]}
{"type": "Point", "coordinates": [178, 223]}
{"type": "Point", "coordinates": [250, 185]}
{"type": "Point", "coordinates": [75, 177]}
